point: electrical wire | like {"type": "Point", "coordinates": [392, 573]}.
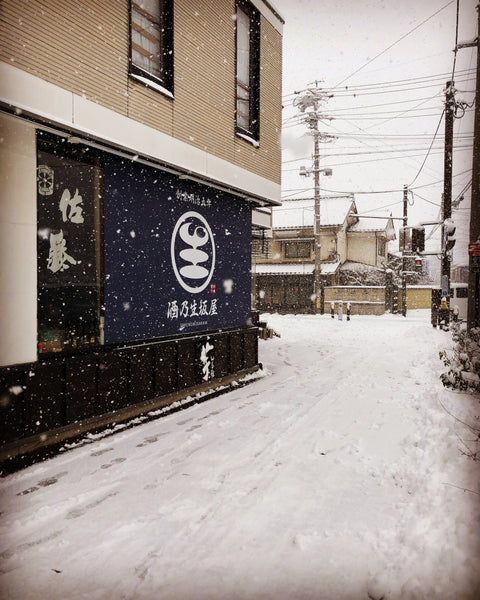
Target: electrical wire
{"type": "Point", "coordinates": [428, 152]}
{"type": "Point", "coordinates": [393, 191]}
{"type": "Point", "coordinates": [388, 85]}
{"type": "Point", "coordinates": [456, 42]}
{"type": "Point", "coordinates": [394, 43]}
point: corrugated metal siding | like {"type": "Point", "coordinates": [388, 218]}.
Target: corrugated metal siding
{"type": "Point", "coordinates": [82, 46]}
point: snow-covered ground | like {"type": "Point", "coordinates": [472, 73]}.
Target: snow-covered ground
{"type": "Point", "coordinates": [339, 475]}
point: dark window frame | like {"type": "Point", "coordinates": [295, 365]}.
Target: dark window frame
{"type": "Point", "coordinates": [252, 131]}
{"type": "Point", "coordinates": [300, 249]}
{"type": "Point", "coordinates": [163, 83]}
{"type": "Point", "coordinates": [461, 292]}
{"type": "Point", "coordinates": [381, 247]}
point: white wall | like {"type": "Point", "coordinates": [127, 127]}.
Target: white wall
{"type": "Point", "coordinates": [18, 245]}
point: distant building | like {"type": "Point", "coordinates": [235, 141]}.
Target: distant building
{"type": "Point", "coordinates": [460, 273]}
{"type": "Point", "coordinates": [138, 141]}
{"type": "Point", "coordinates": [284, 269]}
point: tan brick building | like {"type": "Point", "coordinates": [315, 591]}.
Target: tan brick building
{"type": "Point", "coordinates": [138, 139]}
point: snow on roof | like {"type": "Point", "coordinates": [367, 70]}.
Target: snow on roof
{"type": "Point", "coordinates": [300, 213]}
{"type": "Point", "coordinates": [366, 224]}
{"type": "Point", "coordinates": [351, 265]}
{"type": "Point", "coordinates": [326, 268]}
{"type": "Point", "coordinates": [284, 269]}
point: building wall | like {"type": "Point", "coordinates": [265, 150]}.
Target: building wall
{"type": "Point", "coordinates": [417, 297]}
{"type": "Point", "coordinates": [18, 235]}
{"type": "Point", "coordinates": [362, 248]}
{"type": "Point", "coordinates": [82, 47]}
{"type": "Point", "coordinates": [355, 294]}
{"type": "Point", "coordinates": [64, 75]}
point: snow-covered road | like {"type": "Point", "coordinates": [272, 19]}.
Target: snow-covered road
{"type": "Point", "coordinates": [338, 475]}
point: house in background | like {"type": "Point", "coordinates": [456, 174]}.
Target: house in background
{"type": "Point", "coordinates": [284, 273]}
{"type": "Point", "coordinates": [138, 140]}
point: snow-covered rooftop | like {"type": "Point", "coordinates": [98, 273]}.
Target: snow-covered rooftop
{"type": "Point", "coordinates": [326, 268]}
{"type": "Point", "coordinates": [369, 224]}
{"type": "Point", "coordinates": [300, 213]}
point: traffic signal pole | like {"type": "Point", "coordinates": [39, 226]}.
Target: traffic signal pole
{"type": "Point", "coordinates": [404, 258]}
{"type": "Point", "coordinates": [473, 319]}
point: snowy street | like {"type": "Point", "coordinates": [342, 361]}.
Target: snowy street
{"type": "Point", "coordinates": [340, 474]}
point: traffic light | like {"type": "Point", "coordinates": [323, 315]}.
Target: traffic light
{"type": "Point", "coordinates": [449, 229]}
{"type": "Point", "coordinates": [418, 239]}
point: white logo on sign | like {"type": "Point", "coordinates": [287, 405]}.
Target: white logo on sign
{"type": "Point", "coordinates": [45, 180]}
{"type": "Point", "coordinates": [193, 252]}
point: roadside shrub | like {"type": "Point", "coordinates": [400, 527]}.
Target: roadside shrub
{"type": "Point", "coordinates": [464, 362]}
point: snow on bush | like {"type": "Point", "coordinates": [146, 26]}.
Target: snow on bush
{"type": "Point", "coordinates": [464, 363]}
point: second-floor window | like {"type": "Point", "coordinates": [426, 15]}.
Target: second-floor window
{"type": "Point", "coordinates": [297, 249]}
{"type": "Point", "coordinates": [151, 43]}
{"type": "Point", "coordinates": [247, 108]}
{"type": "Point", "coordinates": [381, 246]}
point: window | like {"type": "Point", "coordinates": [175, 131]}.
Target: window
{"type": "Point", "coordinates": [297, 249]}
{"type": "Point", "coordinates": [69, 246]}
{"type": "Point", "coordinates": [381, 247]}
{"type": "Point", "coordinates": [461, 292]}
{"type": "Point", "coordinates": [247, 109]}
{"type": "Point", "coordinates": [261, 248]}
{"type": "Point", "coordinates": [151, 43]}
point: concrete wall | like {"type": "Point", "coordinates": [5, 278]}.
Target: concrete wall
{"type": "Point", "coordinates": [417, 297]}
{"type": "Point", "coordinates": [18, 242]}
{"type": "Point", "coordinates": [363, 300]}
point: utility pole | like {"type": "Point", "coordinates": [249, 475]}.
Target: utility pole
{"type": "Point", "coordinates": [319, 289]}
{"type": "Point", "coordinates": [473, 318]}
{"type": "Point", "coordinates": [311, 99]}
{"type": "Point", "coordinates": [404, 258]}
{"type": "Point", "coordinates": [447, 181]}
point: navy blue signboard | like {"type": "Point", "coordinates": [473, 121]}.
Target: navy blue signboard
{"type": "Point", "coordinates": [177, 255]}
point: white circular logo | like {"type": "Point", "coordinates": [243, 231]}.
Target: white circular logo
{"type": "Point", "coordinates": [193, 252]}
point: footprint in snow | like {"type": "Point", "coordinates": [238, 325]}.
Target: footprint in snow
{"type": "Point", "coordinates": [81, 510]}
{"type": "Point", "coordinates": [149, 440]}
{"type": "Point", "coordinates": [100, 452]}
{"type": "Point", "coordinates": [115, 461]}
{"type": "Point", "coordinates": [43, 483]}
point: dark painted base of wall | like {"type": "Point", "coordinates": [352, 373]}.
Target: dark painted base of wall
{"type": "Point", "coordinates": [21, 454]}
{"type": "Point", "coordinates": [61, 397]}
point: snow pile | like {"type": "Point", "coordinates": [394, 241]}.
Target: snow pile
{"type": "Point", "coordinates": [340, 475]}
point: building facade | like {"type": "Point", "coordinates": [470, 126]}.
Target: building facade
{"type": "Point", "coordinates": [139, 140]}
{"type": "Point", "coordinates": [284, 272]}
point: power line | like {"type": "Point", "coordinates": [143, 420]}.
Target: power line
{"type": "Point", "coordinates": [394, 44]}
{"type": "Point", "coordinates": [394, 191]}
{"type": "Point", "coordinates": [386, 85]}
{"type": "Point", "coordinates": [428, 152]}
{"type": "Point", "coordinates": [374, 159]}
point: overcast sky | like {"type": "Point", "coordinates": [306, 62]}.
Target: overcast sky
{"type": "Point", "coordinates": [386, 63]}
